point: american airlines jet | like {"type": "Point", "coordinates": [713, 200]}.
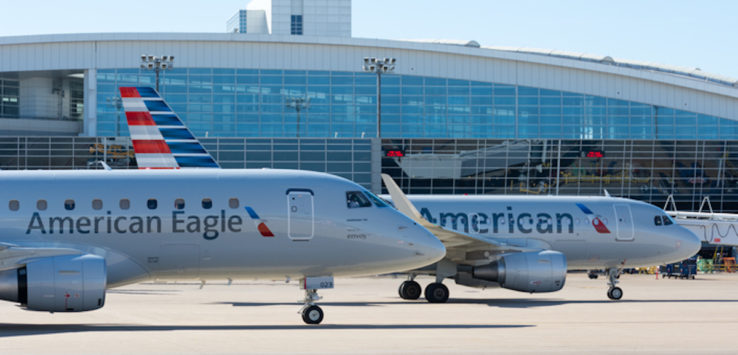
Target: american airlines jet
{"type": "Point", "coordinates": [67, 236]}
{"type": "Point", "coordinates": [527, 243]}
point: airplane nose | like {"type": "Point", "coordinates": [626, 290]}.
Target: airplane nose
{"type": "Point", "coordinates": [690, 244]}
{"type": "Point", "coordinates": [427, 246]}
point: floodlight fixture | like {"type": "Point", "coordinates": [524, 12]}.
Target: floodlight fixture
{"type": "Point", "coordinates": [156, 63]}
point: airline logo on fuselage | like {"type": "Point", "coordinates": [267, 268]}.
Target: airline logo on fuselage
{"type": "Point", "coordinates": [508, 222]}
{"type": "Point", "coordinates": [511, 222]}
{"type": "Point", "coordinates": [596, 221]}
{"type": "Point", "coordinates": [209, 226]}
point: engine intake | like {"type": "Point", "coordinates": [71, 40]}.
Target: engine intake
{"type": "Point", "coordinates": [65, 283]}
{"type": "Point", "coordinates": [543, 271]}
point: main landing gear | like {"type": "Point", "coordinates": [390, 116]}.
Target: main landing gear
{"type": "Point", "coordinates": [311, 313]}
{"type": "Point", "coordinates": [434, 293]}
{"type": "Point", "coordinates": [614, 293]}
{"type": "Point", "coordinates": [410, 290]}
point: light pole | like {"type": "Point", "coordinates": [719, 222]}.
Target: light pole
{"type": "Point", "coordinates": [298, 103]}
{"type": "Point", "coordinates": [379, 66]}
{"type": "Point", "coordinates": [157, 64]}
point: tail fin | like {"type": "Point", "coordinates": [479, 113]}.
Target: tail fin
{"type": "Point", "coordinates": [160, 138]}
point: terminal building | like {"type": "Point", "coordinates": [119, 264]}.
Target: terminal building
{"type": "Point", "coordinates": [284, 87]}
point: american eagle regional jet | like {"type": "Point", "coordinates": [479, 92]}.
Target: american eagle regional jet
{"type": "Point", "coordinates": [527, 243]}
{"type": "Point", "coordinates": [67, 236]}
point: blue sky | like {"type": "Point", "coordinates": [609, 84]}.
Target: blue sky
{"type": "Point", "coordinates": [678, 32]}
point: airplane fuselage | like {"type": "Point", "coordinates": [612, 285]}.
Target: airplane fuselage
{"type": "Point", "coordinates": [593, 232]}
{"type": "Point", "coordinates": [209, 223]}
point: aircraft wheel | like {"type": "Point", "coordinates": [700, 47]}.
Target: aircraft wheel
{"type": "Point", "coordinates": [410, 290]}
{"type": "Point", "coordinates": [615, 293]}
{"type": "Point", "coordinates": [436, 293]}
{"type": "Point", "coordinates": [312, 314]}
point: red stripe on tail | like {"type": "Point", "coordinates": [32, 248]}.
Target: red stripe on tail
{"type": "Point", "coordinates": [129, 92]}
{"type": "Point", "coordinates": [150, 146]}
{"type": "Point", "coordinates": [140, 119]}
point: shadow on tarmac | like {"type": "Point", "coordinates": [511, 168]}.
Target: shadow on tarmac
{"type": "Point", "coordinates": [13, 330]}
{"type": "Point", "coordinates": [504, 303]}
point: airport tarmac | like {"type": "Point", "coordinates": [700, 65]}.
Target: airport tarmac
{"type": "Point", "coordinates": [365, 315]}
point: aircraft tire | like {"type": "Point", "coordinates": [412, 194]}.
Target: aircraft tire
{"type": "Point", "coordinates": [615, 293]}
{"type": "Point", "coordinates": [312, 314]}
{"type": "Point", "coordinates": [436, 293]}
{"type": "Point", "coordinates": [410, 290]}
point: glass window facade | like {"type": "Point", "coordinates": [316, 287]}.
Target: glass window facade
{"type": "Point", "coordinates": [225, 102]}
{"type": "Point", "coordinates": [237, 23]}
{"type": "Point", "coordinates": [9, 93]}
{"type": "Point", "coordinates": [349, 158]}
{"type": "Point", "coordinates": [296, 24]}
{"type": "Point", "coordinates": [646, 170]}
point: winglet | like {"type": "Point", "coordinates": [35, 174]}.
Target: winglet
{"type": "Point", "coordinates": [401, 201]}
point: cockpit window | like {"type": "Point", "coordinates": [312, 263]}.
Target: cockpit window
{"type": "Point", "coordinates": [667, 220]}
{"type": "Point", "coordinates": [356, 199]}
{"type": "Point", "coordinates": [377, 201]}
{"type": "Point", "coordinates": [657, 220]}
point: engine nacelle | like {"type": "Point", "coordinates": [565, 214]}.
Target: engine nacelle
{"type": "Point", "coordinates": [65, 283]}
{"type": "Point", "coordinates": [543, 271]}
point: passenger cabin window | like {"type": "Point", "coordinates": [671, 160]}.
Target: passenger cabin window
{"type": "Point", "coordinates": [14, 205]}
{"type": "Point", "coordinates": [124, 204]}
{"type": "Point", "coordinates": [233, 203]}
{"type": "Point", "coordinates": [356, 199]}
{"type": "Point", "coordinates": [97, 204]}
{"type": "Point", "coordinates": [207, 203]}
{"type": "Point", "coordinates": [667, 220]}
{"type": "Point", "coordinates": [151, 203]}
{"type": "Point", "coordinates": [179, 204]}
{"type": "Point", "coordinates": [68, 205]}
{"type": "Point", "coordinates": [657, 220]}
{"type": "Point", "coordinates": [41, 205]}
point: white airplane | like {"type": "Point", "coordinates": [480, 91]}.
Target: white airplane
{"type": "Point", "coordinates": [67, 236]}
{"type": "Point", "coordinates": [527, 243]}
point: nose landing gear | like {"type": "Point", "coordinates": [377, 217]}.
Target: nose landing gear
{"type": "Point", "coordinates": [311, 313]}
{"type": "Point", "coordinates": [614, 293]}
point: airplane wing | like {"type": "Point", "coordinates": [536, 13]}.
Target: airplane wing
{"type": "Point", "coordinates": [12, 256]}
{"type": "Point", "coordinates": [460, 247]}
{"type": "Point", "coordinates": [160, 138]}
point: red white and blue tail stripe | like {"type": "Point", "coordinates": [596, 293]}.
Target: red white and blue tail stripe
{"type": "Point", "coordinates": [160, 138]}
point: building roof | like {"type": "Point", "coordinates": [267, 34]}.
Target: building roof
{"type": "Point", "coordinates": [694, 73]}
{"type": "Point", "coordinates": [691, 73]}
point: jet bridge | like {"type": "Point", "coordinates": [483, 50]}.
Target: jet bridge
{"type": "Point", "coordinates": [713, 228]}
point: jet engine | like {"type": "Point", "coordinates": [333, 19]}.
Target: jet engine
{"type": "Point", "coordinates": [65, 283]}
{"type": "Point", "coordinates": [543, 271]}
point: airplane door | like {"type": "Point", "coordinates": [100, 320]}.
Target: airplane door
{"type": "Point", "coordinates": [300, 217]}
{"type": "Point", "coordinates": [624, 222]}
